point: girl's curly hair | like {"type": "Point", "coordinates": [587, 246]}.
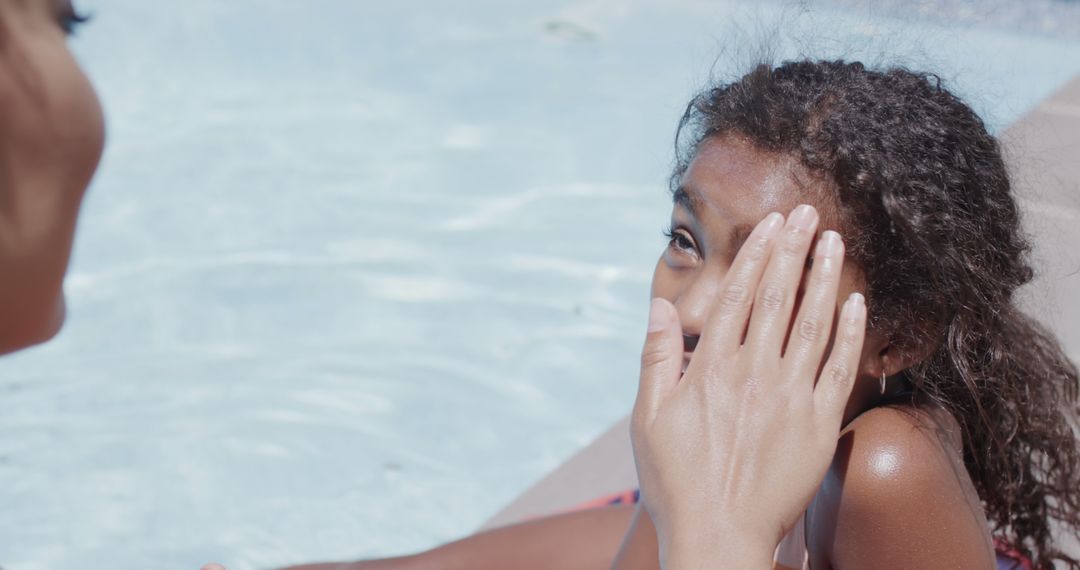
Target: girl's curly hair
{"type": "Point", "coordinates": [923, 196]}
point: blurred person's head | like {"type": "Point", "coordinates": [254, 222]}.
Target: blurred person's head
{"type": "Point", "coordinates": [51, 137]}
{"type": "Point", "coordinates": [909, 176]}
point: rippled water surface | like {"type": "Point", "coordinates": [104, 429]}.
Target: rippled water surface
{"type": "Point", "coordinates": [354, 274]}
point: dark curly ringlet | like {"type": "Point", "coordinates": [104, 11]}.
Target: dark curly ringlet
{"type": "Point", "coordinates": [922, 196]}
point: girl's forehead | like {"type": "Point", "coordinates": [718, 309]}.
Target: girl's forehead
{"type": "Point", "coordinates": [731, 178]}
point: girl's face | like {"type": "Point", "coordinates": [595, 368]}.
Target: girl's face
{"type": "Point", "coordinates": [51, 138]}
{"type": "Point", "coordinates": [728, 188]}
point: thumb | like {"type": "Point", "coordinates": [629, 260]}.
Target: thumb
{"type": "Point", "coordinates": [661, 357]}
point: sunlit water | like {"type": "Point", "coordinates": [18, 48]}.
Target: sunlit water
{"type": "Point", "coordinates": [354, 274]}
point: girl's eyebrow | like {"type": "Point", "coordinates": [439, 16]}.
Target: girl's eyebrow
{"type": "Point", "coordinates": [687, 198]}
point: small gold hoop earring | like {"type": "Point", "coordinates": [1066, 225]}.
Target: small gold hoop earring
{"type": "Point", "coordinates": [882, 381]}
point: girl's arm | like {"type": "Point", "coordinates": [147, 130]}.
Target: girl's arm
{"type": "Point", "coordinates": [581, 540]}
{"type": "Point", "coordinates": [639, 550]}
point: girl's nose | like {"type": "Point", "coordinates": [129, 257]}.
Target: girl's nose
{"type": "Point", "coordinates": [694, 304]}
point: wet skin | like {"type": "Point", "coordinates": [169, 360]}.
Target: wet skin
{"type": "Point", "coordinates": [51, 139]}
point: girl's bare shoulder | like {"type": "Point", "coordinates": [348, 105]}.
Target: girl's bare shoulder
{"type": "Point", "coordinates": [907, 444]}
{"type": "Point", "coordinates": [898, 496]}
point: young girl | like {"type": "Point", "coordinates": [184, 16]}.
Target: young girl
{"type": "Point", "coordinates": [958, 449]}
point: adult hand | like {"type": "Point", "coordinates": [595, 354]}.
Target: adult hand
{"type": "Point", "coordinates": [730, 452]}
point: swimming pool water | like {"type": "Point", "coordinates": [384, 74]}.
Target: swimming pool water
{"type": "Point", "coordinates": [354, 274]}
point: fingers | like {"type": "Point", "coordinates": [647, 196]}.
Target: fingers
{"type": "Point", "coordinates": [661, 357]}
{"type": "Point", "coordinates": [727, 320]}
{"type": "Point", "coordinates": [779, 286]}
{"type": "Point", "coordinates": [810, 334]}
{"type": "Point", "coordinates": [838, 376]}
{"type": "Point", "coordinates": [212, 566]}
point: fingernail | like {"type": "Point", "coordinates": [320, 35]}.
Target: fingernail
{"type": "Point", "coordinates": [659, 315]}
{"type": "Point", "coordinates": [772, 222]}
{"type": "Point", "coordinates": [829, 244]}
{"type": "Point", "coordinates": [858, 305]}
{"type": "Point", "coordinates": [804, 217]}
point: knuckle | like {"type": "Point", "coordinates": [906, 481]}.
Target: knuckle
{"type": "Point", "coordinates": [855, 327]}
{"type": "Point", "coordinates": [734, 295]}
{"type": "Point", "coordinates": [753, 386]}
{"type": "Point", "coordinates": [772, 297]}
{"type": "Point", "coordinates": [843, 345]}
{"type": "Point", "coordinates": [839, 373]}
{"type": "Point", "coordinates": [810, 329]}
{"type": "Point", "coordinates": [757, 250]}
{"type": "Point", "coordinates": [794, 243]}
{"type": "Point", "coordinates": [652, 356]}
{"type": "Point", "coordinates": [825, 271]}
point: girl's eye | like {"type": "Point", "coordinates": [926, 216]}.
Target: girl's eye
{"type": "Point", "coordinates": [680, 240]}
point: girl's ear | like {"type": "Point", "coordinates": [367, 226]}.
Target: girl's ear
{"type": "Point", "coordinates": [883, 354]}
{"type": "Point", "coordinates": [875, 348]}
